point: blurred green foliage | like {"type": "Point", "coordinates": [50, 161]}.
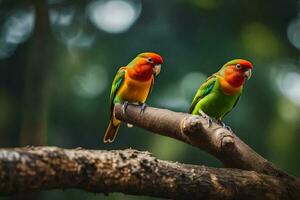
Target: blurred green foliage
{"type": "Point", "coordinates": [58, 58]}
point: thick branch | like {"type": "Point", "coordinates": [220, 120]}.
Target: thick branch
{"type": "Point", "coordinates": [132, 172]}
{"type": "Point", "coordinates": [192, 129]}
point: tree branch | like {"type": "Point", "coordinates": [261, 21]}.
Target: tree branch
{"type": "Point", "coordinates": [139, 173]}
{"type": "Point", "coordinates": [132, 172]}
{"type": "Point", "coordinates": [192, 129]}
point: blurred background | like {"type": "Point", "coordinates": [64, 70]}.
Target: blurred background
{"type": "Point", "coordinates": [58, 59]}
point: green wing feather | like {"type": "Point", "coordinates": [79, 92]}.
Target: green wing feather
{"type": "Point", "coordinates": [204, 90]}
{"type": "Point", "coordinates": [117, 83]}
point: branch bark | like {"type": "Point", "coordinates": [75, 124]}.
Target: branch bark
{"type": "Point", "coordinates": [139, 173]}
{"type": "Point", "coordinates": [132, 172]}
{"type": "Point", "coordinates": [194, 130]}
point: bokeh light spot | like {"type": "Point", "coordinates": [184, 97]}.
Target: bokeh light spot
{"type": "Point", "coordinates": [90, 83]}
{"type": "Point", "coordinates": [115, 16]}
{"type": "Point", "coordinates": [290, 86]}
{"type": "Point", "coordinates": [170, 97]}
{"type": "Point", "coordinates": [68, 26]}
{"type": "Point", "coordinates": [63, 17]}
{"type": "Point", "coordinates": [288, 81]}
{"type": "Point", "coordinates": [293, 32]}
{"type": "Point", "coordinates": [179, 95]}
{"type": "Point", "coordinates": [17, 28]}
{"type": "Point", "coordinates": [260, 41]}
{"type": "Point", "coordinates": [288, 111]}
{"type": "Point", "coordinates": [190, 83]}
{"type": "Point", "coordinates": [6, 49]}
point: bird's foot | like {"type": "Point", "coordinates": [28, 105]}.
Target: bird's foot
{"type": "Point", "coordinates": [205, 116]}
{"type": "Point", "coordinates": [143, 107]}
{"type": "Point", "coordinates": [224, 125]}
{"type": "Point", "coordinates": [124, 107]}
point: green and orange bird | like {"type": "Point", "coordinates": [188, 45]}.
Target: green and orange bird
{"type": "Point", "coordinates": [219, 94]}
{"type": "Point", "coordinates": [132, 84]}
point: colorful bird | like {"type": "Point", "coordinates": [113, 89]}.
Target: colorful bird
{"type": "Point", "coordinates": [132, 83]}
{"type": "Point", "coordinates": [219, 94]}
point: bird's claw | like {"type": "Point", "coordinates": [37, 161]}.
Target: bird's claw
{"type": "Point", "coordinates": [224, 125]}
{"type": "Point", "coordinates": [205, 116]}
{"type": "Point", "coordinates": [143, 107]}
{"type": "Point", "coordinates": [209, 122]}
{"type": "Point", "coordinates": [228, 128]}
{"type": "Point", "coordinates": [124, 107]}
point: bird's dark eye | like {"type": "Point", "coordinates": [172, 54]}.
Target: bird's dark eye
{"type": "Point", "coordinates": [238, 66]}
{"type": "Point", "coordinates": [150, 60]}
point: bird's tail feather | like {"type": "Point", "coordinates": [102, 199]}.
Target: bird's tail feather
{"type": "Point", "coordinates": [112, 130]}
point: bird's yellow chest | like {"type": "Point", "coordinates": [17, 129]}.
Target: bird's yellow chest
{"type": "Point", "coordinates": [134, 90]}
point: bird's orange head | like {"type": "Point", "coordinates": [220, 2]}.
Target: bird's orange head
{"type": "Point", "coordinates": [144, 66]}
{"type": "Point", "coordinates": [236, 72]}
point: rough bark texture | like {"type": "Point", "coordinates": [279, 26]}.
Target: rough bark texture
{"type": "Point", "coordinates": [132, 172]}
{"type": "Point", "coordinates": [139, 173]}
{"type": "Point", "coordinates": [194, 130]}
